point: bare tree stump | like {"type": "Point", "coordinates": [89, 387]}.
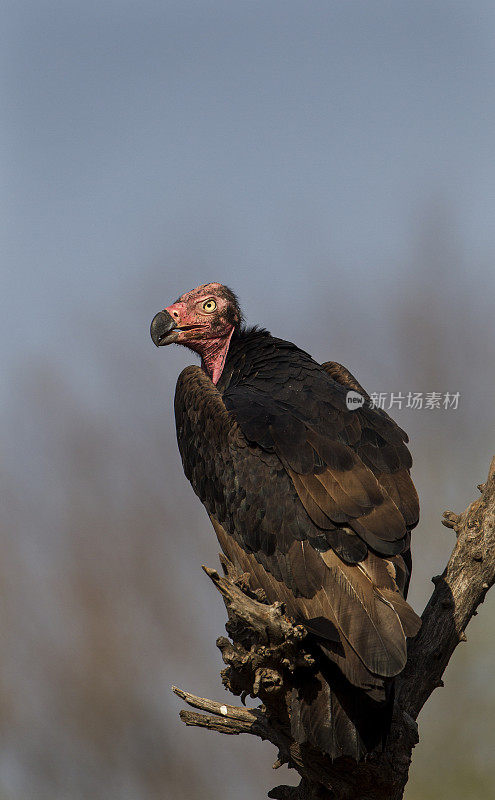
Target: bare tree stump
{"type": "Point", "coordinates": [268, 654]}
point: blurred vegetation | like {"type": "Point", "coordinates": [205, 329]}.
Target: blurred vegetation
{"type": "Point", "coordinates": [104, 604]}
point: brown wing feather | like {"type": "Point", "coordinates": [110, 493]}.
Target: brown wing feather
{"type": "Point", "coordinates": [353, 497]}
{"type": "Point", "coordinates": [383, 574]}
{"type": "Point", "coordinates": [342, 375]}
{"type": "Point", "coordinates": [401, 489]}
{"type": "Point", "coordinates": [388, 460]}
{"type": "Point", "coordinates": [309, 502]}
{"type": "Point", "coordinates": [344, 595]}
{"type": "Point", "coordinates": [369, 623]}
{"type": "Point", "coordinates": [315, 612]}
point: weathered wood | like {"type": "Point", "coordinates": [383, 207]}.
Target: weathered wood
{"type": "Point", "coordinates": [458, 592]}
{"type": "Point", "coordinates": [267, 647]}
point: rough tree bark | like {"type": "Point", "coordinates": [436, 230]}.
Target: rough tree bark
{"type": "Point", "coordinates": [269, 653]}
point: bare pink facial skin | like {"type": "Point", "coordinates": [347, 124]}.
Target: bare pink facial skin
{"type": "Point", "coordinates": [206, 325]}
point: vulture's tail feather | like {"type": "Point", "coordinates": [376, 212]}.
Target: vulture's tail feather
{"type": "Point", "coordinates": [339, 719]}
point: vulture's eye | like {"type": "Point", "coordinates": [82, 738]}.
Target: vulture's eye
{"type": "Point", "coordinates": [209, 306]}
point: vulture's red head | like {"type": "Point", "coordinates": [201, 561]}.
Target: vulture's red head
{"type": "Point", "coordinates": [204, 320]}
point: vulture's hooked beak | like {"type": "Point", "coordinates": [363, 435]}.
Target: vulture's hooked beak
{"type": "Point", "coordinates": [163, 329]}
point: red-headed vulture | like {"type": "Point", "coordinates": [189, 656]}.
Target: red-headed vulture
{"type": "Point", "coordinates": [312, 499]}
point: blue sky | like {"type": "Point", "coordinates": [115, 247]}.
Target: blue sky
{"type": "Point", "coordinates": [148, 147]}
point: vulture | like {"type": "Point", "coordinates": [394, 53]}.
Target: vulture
{"type": "Point", "coordinates": [311, 498]}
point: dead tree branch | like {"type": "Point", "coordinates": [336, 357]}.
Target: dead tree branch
{"type": "Point", "coordinates": [268, 653]}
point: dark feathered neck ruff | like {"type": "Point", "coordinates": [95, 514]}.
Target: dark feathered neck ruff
{"type": "Point", "coordinates": [244, 332]}
{"type": "Point", "coordinates": [251, 349]}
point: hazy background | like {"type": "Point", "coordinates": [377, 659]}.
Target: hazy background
{"type": "Point", "coordinates": [333, 163]}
